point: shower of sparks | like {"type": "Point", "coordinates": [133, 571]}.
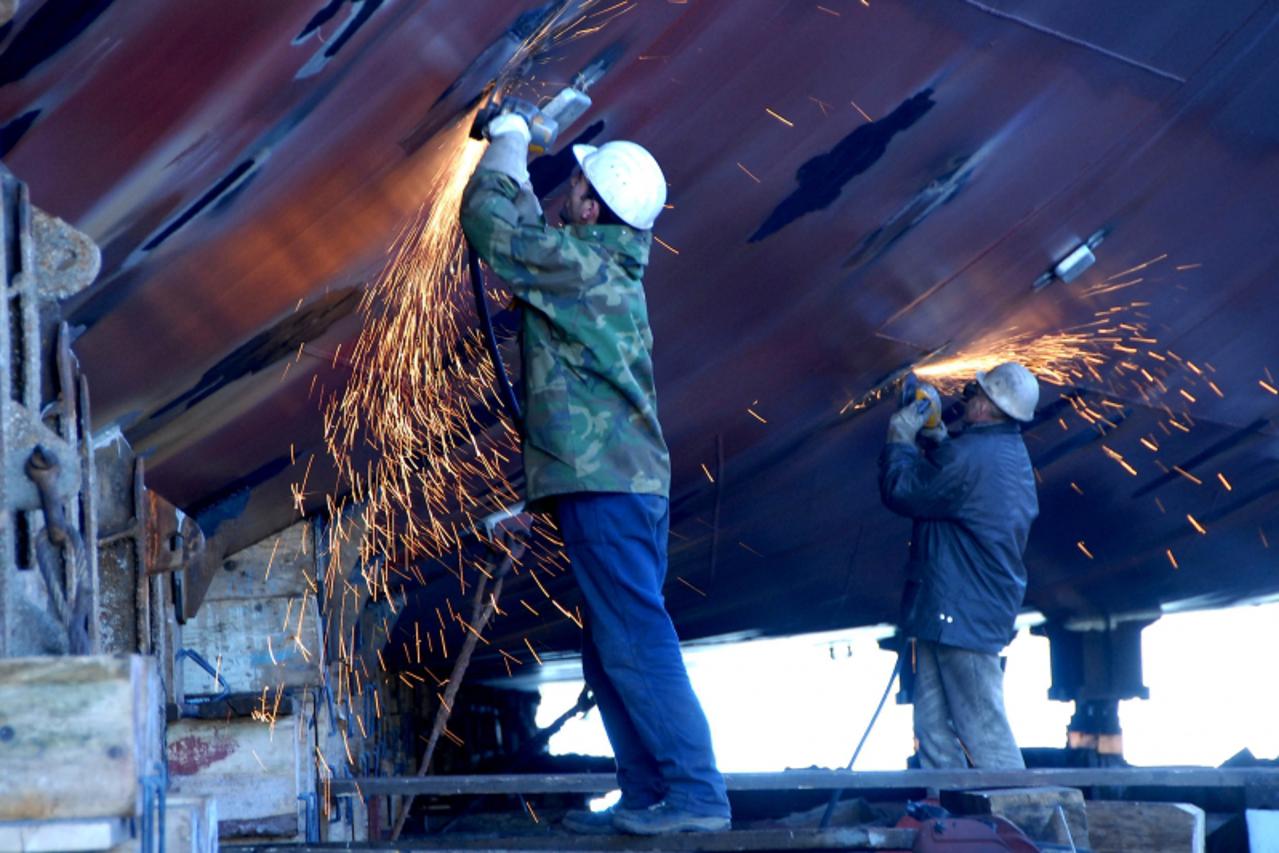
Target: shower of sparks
{"type": "Point", "coordinates": [421, 445]}
{"type": "Point", "coordinates": [1104, 370]}
{"type": "Point", "coordinates": [1058, 359]}
{"type": "Point", "coordinates": [420, 400]}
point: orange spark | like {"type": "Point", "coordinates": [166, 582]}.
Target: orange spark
{"type": "Point", "coordinates": [667, 246]}
{"type": "Point", "coordinates": [780, 118]}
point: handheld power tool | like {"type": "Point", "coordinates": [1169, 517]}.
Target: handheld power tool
{"type": "Point", "coordinates": [545, 122]}
{"type": "Point", "coordinates": [912, 391]}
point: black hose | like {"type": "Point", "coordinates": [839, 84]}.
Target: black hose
{"type": "Point", "coordinates": [834, 795]}
{"type": "Point", "coordinates": [504, 390]}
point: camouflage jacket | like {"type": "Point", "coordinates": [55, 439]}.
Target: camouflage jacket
{"type": "Point", "coordinates": [590, 409]}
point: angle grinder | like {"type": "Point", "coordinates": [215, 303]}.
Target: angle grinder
{"type": "Point", "coordinates": [544, 122]}
{"type": "Point", "coordinates": [913, 391]}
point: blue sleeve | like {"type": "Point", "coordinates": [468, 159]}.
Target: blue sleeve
{"type": "Point", "coordinates": [919, 485]}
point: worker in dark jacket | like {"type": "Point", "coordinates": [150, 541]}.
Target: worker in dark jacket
{"type": "Point", "coordinates": [595, 455]}
{"type": "Point", "coordinates": [972, 499]}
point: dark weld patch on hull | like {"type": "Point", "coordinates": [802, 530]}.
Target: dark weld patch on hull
{"type": "Point", "coordinates": [264, 349]}
{"type": "Point", "coordinates": [12, 132]}
{"type": "Point", "coordinates": [53, 26]}
{"type": "Point", "coordinates": [210, 197]}
{"type": "Point", "coordinates": [319, 19]}
{"type": "Point", "coordinates": [922, 205]}
{"type": "Point", "coordinates": [822, 179]}
{"type": "Point", "coordinates": [231, 502]}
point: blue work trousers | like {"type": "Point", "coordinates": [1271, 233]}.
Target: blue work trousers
{"type": "Point", "coordinates": [631, 658]}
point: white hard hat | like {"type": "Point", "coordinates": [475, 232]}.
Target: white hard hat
{"type": "Point", "coordinates": [1012, 388]}
{"type": "Point", "coordinates": [627, 178]}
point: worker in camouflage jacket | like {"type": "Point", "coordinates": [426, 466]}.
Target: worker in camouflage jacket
{"type": "Point", "coordinates": [972, 499]}
{"type": "Point", "coordinates": [595, 455]}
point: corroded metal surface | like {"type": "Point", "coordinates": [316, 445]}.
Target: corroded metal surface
{"type": "Point", "coordinates": [47, 515]}
{"type": "Point", "coordinates": [67, 261]}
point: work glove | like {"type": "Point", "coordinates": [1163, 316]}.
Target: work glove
{"type": "Point", "coordinates": [507, 153]}
{"type": "Point", "coordinates": [906, 422]}
{"type": "Point", "coordinates": [937, 433]}
{"type": "Point", "coordinates": [508, 124]}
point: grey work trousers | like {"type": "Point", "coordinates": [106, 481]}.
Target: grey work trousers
{"type": "Point", "coordinates": [959, 708]}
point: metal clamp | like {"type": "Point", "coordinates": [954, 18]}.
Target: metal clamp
{"type": "Point", "coordinates": [152, 827]}
{"type": "Point", "coordinates": [200, 661]}
{"type": "Point", "coordinates": [312, 817]}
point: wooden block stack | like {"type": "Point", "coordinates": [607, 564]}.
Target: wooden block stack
{"type": "Point", "coordinates": [255, 771]}
{"type": "Point", "coordinates": [191, 825]}
{"type": "Point", "coordinates": [259, 624]}
{"type": "Point", "coordinates": [258, 627]}
{"type": "Point", "coordinates": [78, 737]}
{"type": "Point", "coordinates": [1047, 813]}
{"type": "Point", "coordinates": [1122, 827]}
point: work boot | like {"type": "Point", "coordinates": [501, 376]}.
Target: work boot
{"type": "Point", "coordinates": [665, 819]}
{"type": "Point", "coordinates": [587, 822]}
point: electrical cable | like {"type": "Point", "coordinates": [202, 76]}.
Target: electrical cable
{"type": "Point", "coordinates": [834, 796]}
{"type": "Point", "coordinates": [504, 390]}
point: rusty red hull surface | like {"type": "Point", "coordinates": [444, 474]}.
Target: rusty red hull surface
{"type": "Point", "coordinates": [853, 186]}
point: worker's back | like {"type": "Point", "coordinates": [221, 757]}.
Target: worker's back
{"type": "Point", "coordinates": [591, 407]}
{"type": "Point", "coordinates": [969, 535]}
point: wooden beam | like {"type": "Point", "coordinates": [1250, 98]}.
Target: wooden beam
{"type": "Point", "coordinates": [250, 646]}
{"type": "Point", "coordinates": [825, 780]}
{"type": "Point", "coordinates": [37, 836]}
{"type": "Point", "coordinates": [76, 735]}
{"type": "Point", "coordinates": [1116, 827]}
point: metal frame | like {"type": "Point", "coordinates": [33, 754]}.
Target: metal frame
{"type": "Point", "coordinates": [825, 780]}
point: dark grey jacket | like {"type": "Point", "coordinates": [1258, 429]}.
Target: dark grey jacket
{"type": "Point", "coordinates": [973, 500]}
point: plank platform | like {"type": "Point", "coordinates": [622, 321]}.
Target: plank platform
{"type": "Point", "coordinates": [850, 838]}
{"type": "Point", "coordinates": [39, 836]}
{"type": "Point", "coordinates": [819, 780]}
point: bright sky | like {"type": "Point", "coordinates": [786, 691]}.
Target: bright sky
{"type": "Point", "coordinates": [805, 701]}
